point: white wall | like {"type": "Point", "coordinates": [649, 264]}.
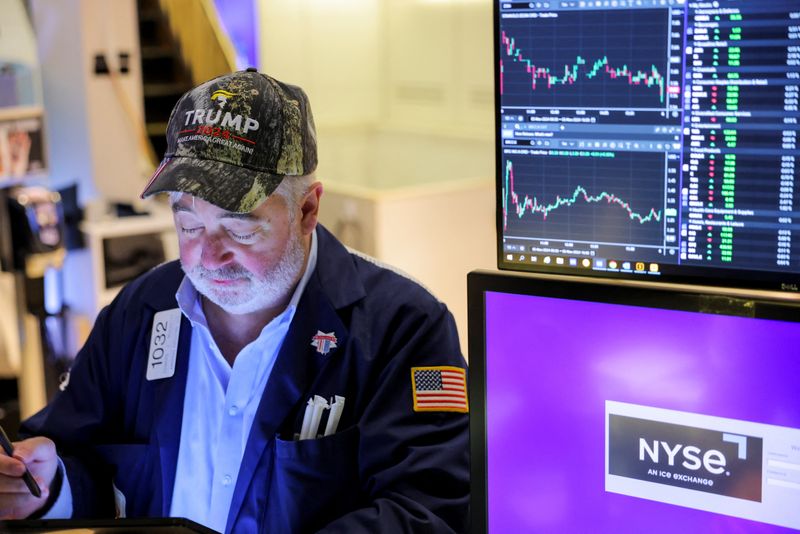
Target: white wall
{"type": "Point", "coordinates": [330, 49]}
{"type": "Point", "coordinates": [402, 97]}
{"type": "Point", "coordinates": [415, 65]}
{"type": "Point", "coordinates": [18, 44]}
{"type": "Point", "coordinates": [66, 122]}
{"type": "Point", "coordinates": [90, 122]}
{"type": "Point", "coordinates": [439, 58]}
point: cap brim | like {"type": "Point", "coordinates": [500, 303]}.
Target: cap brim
{"type": "Point", "coordinates": [230, 187]}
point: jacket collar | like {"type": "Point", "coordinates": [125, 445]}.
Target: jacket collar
{"type": "Point", "coordinates": [336, 271]}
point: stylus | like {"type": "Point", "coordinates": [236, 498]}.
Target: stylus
{"type": "Point", "coordinates": [26, 477]}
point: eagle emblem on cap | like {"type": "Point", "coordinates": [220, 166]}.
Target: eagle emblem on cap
{"type": "Point", "coordinates": [222, 96]}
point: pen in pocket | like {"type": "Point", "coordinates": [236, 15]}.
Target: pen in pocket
{"type": "Point", "coordinates": [337, 405]}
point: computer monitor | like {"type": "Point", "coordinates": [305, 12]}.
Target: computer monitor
{"type": "Point", "coordinates": [649, 139]}
{"type": "Point", "coordinates": [618, 408]}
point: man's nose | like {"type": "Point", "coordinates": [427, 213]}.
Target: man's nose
{"type": "Point", "coordinates": [215, 253]}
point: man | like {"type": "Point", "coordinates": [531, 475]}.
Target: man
{"type": "Point", "coordinates": [203, 390]}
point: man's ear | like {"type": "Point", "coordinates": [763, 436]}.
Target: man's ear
{"type": "Point", "coordinates": [309, 208]}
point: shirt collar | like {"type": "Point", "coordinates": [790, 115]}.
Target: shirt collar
{"type": "Point", "coordinates": [189, 299]}
{"type": "Point", "coordinates": [310, 266]}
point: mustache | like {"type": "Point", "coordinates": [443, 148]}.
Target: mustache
{"type": "Point", "coordinates": [230, 272]}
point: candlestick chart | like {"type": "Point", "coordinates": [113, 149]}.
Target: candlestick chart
{"type": "Point", "coordinates": [607, 200]}
{"type": "Point", "coordinates": [586, 60]}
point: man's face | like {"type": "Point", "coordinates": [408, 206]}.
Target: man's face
{"type": "Point", "coordinates": [240, 262]}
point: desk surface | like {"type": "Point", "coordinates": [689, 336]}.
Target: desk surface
{"type": "Point", "coordinates": [167, 525]}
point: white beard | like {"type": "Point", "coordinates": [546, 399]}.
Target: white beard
{"type": "Point", "coordinates": [261, 292]}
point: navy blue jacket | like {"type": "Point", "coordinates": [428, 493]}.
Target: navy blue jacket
{"type": "Point", "coordinates": [387, 468]}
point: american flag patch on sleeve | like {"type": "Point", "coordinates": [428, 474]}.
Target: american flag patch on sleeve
{"type": "Point", "coordinates": [439, 389]}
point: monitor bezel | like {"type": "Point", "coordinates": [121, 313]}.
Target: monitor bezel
{"type": "Point", "coordinates": [705, 276]}
{"type": "Point", "coordinates": [699, 299]}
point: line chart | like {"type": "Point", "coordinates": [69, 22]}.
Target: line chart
{"type": "Point", "coordinates": [572, 73]}
{"type": "Point", "coordinates": [586, 59]}
{"type": "Point", "coordinates": [617, 200]}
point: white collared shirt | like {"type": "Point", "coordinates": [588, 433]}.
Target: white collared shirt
{"type": "Point", "coordinates": [219, 407]}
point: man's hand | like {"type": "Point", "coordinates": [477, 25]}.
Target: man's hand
{"type": "Point", "coordinates": [39, 455]}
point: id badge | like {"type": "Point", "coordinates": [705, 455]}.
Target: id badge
{"type": "Point", "coordinates": [163, 344]}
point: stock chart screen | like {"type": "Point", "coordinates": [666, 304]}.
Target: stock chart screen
{"type": "Point", "coordinates": [650, 139]}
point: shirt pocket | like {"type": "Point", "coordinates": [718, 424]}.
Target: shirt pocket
{"type": "Point", "coordinates": [136, 473]}
{"type": "Point", "coordinates": [314, 480]}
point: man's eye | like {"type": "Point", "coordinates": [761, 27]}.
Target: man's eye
{"type": "Point", "coordinates": [242, 237]}
{"type": "Point", "coordinates": [191, 231]}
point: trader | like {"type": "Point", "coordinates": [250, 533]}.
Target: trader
{"type": "Point", "coordinates": [272, 381]}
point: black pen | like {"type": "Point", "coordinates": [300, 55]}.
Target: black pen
{"type": "Point", "coordinates": [27, 477]}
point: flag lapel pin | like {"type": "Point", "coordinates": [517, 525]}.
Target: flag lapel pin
{"type": "Point", "coordinates": [324, 342]}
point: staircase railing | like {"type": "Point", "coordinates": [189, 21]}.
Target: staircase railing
{"type": "Point", "coordinates": [205, 47]}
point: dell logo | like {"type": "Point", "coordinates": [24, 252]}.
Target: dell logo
{"type": "Point", "coordinates": [713, 460]}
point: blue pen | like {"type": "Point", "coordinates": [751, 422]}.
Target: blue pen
{"type": "Point", "coordinates": [26, 477]}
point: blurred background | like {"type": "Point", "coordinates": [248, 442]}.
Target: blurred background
{"type": "Point", "coordinates": [401, 92]}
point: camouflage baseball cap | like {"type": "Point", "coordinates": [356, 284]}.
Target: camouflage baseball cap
{"type": "Point", "coordinates": [233, 139]}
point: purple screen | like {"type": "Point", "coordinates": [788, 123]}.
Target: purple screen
{"type": "Point", "coordinates": [551, 365]}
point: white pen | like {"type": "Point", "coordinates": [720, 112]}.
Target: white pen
{"type": "Point", "coordinates": [306, 420]}
{"type": "Point", "coordinates": [333, 416]}
{"type": "Point", "coordinates": [320, 405]}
